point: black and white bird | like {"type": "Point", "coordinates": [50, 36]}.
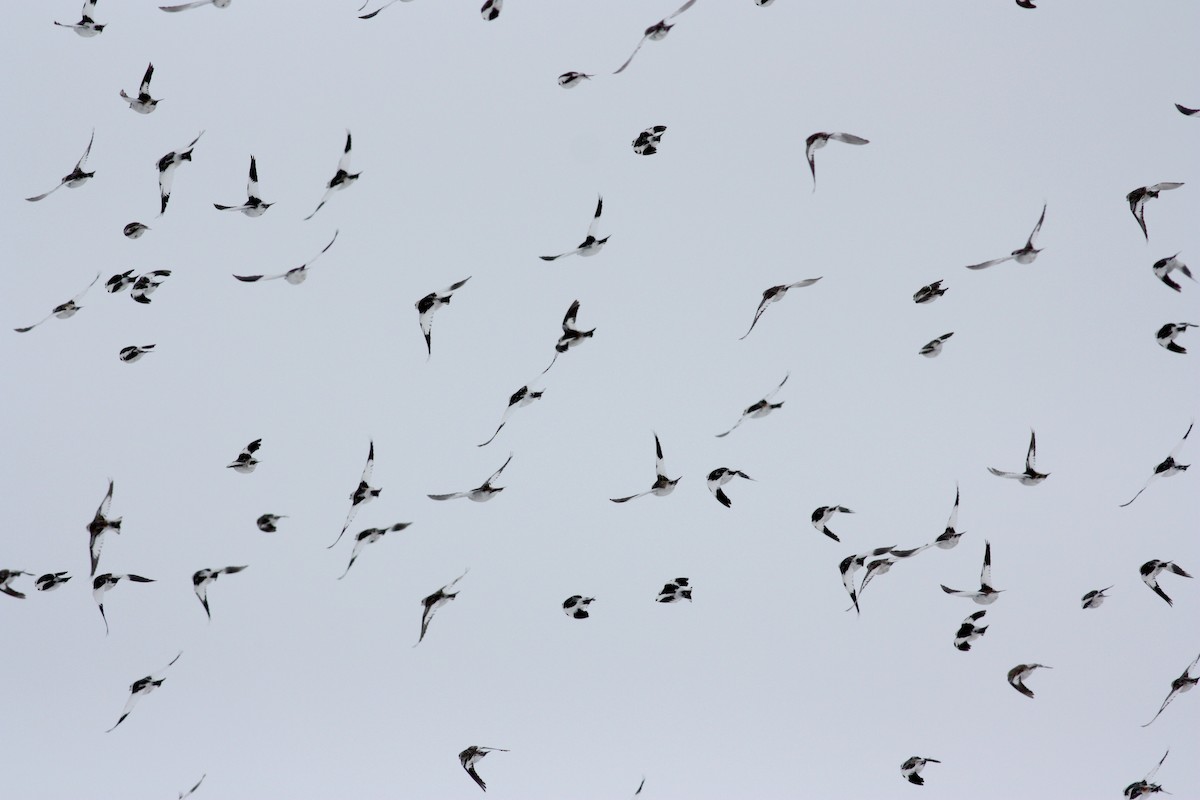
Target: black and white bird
{"type": "Point", "coordinates": [1018, 674]}
{"type": "Point", "coordinates": [120, 282]}
{"type": "Point", "coordinates": [1184, 683]}
{"type": "Point", "coordinates": [985, 594]}
{"type": "Point", "coordinates": [134, 352]}
{"type": "Point", "coordinates": [569, 80]}
{"type": "Point", "coordinates": [471, 756]}
{"type": "Point", "coordinates": [145, 285]}
{"type": "Point", "coordinates": [1095, 598]}
{"type": "Point", "coordinates": [819, 140]}
{"type": "Point", "coordinates": [480, 494]}
{"type": "Point", "coordinates": [933, 348]}
{"type": "Point", "coordinates": [76, 177]}
{"type": "Point", "coordinates": [341, 179]}
{"type": "Point", "coordinates": [1167, 467]}
{"type": "Point", "coordinates": [428, 305]}
{"type": "Point", "coordinates": [662, 485]}
{"type": "Point", "coordinates": [590, 245]}
{"type": "Point", "coordinates": [254, 205]}
{"type": "Point", "coordinates": [674, 591]}
{"type": "Point", "coordinates": [968, 631]}
{"type": "Point", "coordinates": [381, 8]}
{"type": "Point", "coordinates": [1151, 570]}
{"type": "Point", "coordinates": [245, 461]}
{"type": "Point", "coordinates": [949, 537]}
{"type": "Point", "coordinates": [647, 142]}
{"type": "Point", "coordinates": [101, 584]}
{"type": "Point", "coordinates": [760, 409]}
{"type": "Point", "coordinates": [196, 4]}
{"type": "Point", "coordinates": [929, 293]}
{"type": "Point", "coordinates": [852, 564]}
{"type": "Point", "coordinates": [296, 275]}
{"type": "Point", "coordinates": [1025, 255]}
{"type": "Point", "coordinates": [1165, 266]}
{"type": "Point", "coordinates": [369, 536]}
{"type": "Point", "coordinates": [101, 523]}
{"type": "Point", "coordinates": [1187, 112]}
{"type": "Point", "coordinates": [571, 336]}
{"type": "Point", "coordinates": [134, 230]}
{"type": "Point", "coordinates": [1138, 198]}
{"type": "Point", "coordinates": [910, 770]}
{"type": "Point", "coordinates": [774, 295]}
{"type": "Point", "coordinates": [576, 606]}
{"type": "Point", "coordinates": [1030, 477]}
{"type": "Point", "coordinates": [1144, 786]}
{"type": "Point", "coordinates": [87, 26]}
{"type": "Point", "coordinates": [269, 523]}
{"type": "Point", "coordinates": [143, 103]}
{"type": "Point", "coordinates": [191, 791]}
{"type": "Point", "coordinates": [721, 476]}
{"type": "Point", "coordinates": [491, 9]}
{"type": "Point", "coordinates": [201, 579]}
{"type": "Point", "coordinates": [166, 171]}
{"type": "Point", "coordinates": [62, 310]}
{"type": "Point", "coordinates": [822, 515]}
{"type": "Point", "coordinates": [1168, 333]}
{"type": "Point", "coordinates": [518, 399]}
{"type": "Point", "coordinates": [7, 576]}
{"type": "Point", "coordinates": [142, 687]}
{"type": "Point", "coordinates": [362, 493]}
{"type": "Point", "coordinates": [655, 32]}
{"type": "Point", "coordinates": [880, 566]}
{"type": "Point", "coordinates": [435, 601]}
{"type": "Point", "coordinates": [51, 581]}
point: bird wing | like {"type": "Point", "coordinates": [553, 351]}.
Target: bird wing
{"type": "Point", "coordinates": [985, 575]}
{"type": "Point", "coordinates": [185, 6]}
{"type": "Point", "coordinates": [1031, 455]}
{"type": "Point", "coordinates": [952, 522]}
{"type": "Point", "coordinates": [595, 223]}
{"type": "Point", "coordinates": [202, 593]}
{"type": "Point", "coordinates": [1166, 185]}
{"type": "Point", "coordinates": [328, 191]}
{"type": "Point", "coordinates": [731, 430]}
{"type": "Point", "coordinates": [775, 391]}
{"type": "Point", "coordinates": [1139, 492]}
{"type": "Point", "coordinates": [475, 775]}
{"type": "Point", "coordinates": [659, 468]}
{"type": "Point", "coordinates": [762, 305]}
{"type": "Point", "coordinates": [324, 249]}
{"type": "Point", "coordinates": [682, 9]}
{"type": "Point", "coordinates": [991, 263]}
{"type": "Point", "coordinates": [44, 195]}
{"type": "Point", "coordinates": [1170, 696]}
{"type": "Point", "coordinates": [627, 499]}
{"type": "Point", "coordinates": [129, 704]}
{"type": "Point", "coordinates": [803, 283]}
{"type": "Point", "coordinates": [456, 286]}
{"type": "Point", "coordinates": [560, 255]}
{"type": "Point", "coordinates": [1150, 775]}
{"type": "Point", "coordinates": [189, 792]}
{"type": "Point", "coordinates": [1178, 447]}
{"type": "Point", "coordinates": [359, 544]}
{"type": "Point", "coordinates": [496, 474]}
{"type": "Point", "coordinates": [1036, 228]}
{"type": "Point", "coordinates": [1015, 676]}
{"type": "Point", "coordinates": [1187, 112]}
{"type": "Point", "coordinates": [568, 323]}
{"type": "Point", "coordinates": [83, 159]}
{"type": "Point", "coordinates": [370, 465]}
{"type": "Point", "coordinates": [376, 11]}
{"type": "Point", "coordinates": [451, 496]}
{"type": "Point", "coordinates": [621, 68]}
{"type": "Point", "coordinates": [145, 87]}
{"type": "Point", "coordinates": [166, 178]}
{"type": "Point", "coordinates": [1002, 474]}
{"type": "Point", "coordinates": [252, 183]}
{"type": "Point", "coordinates": [344, 161]}
{"type": "Point", "coordinates": [848, 138]}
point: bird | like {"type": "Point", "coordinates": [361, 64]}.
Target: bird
{"type": "Point", "coordinates": [134, 352]}
{"type": "Point", "coordinates": [1018, 674]}
{"type": "Point", "coordinates": [435, 601]}
{"type": "Point", "coordinates": [1095, 598]}
{"type": "Point", "coordinates": [76, 177]}
{"type": "Point", "coordinates": [267, 523]}
{"type": "Point", "coordinates": [929, 293]}
{"type": "Point", "coordinates": [822, 515]}
{"type": "Point", "coordinates": [429, 304]}
{"type": "Point", "coordinates": [774, 295]}
{"type": "Point", "coordinates": [87, 26]}
{"type": "Point", "coordinates": [101, 523]}
{"type": "Point", "coordinates": [1025, 255]}
{"type": "Point", "coordinates": [145, 285]}
{"type": "Point", "coordinates": [62, 310]}
{"type": "Point", "coordinates": [296, 275]}
{"type": "Point", "coordinates": [1150, 571]}
{"type": "Point", "coordinates": [571, 336]}
{"type": "Point", "coordinates": [569, 80]}
{"type": "Point", "coordinates": [933, 348]}
{"type": "Point", "coordinates": [491, 9]}
{"type": "Point", "coordinates": [985, 594]}
{"type": "Point", "coordinates": [369, 536]}
{"type": "Point", "coordinates": [1030, 477]}
{"type": "Point", "coordinates": [166, 171]}
{"type": "Point", "coordinates": [576, 605]}
{"type": "Point", "coordinates": [721, 476]}
{"type": "Point", "coordinates": [1187, 112]}
{"type": "Point", "coordinates": [203, 577]}
{"type": "Point", "coordinates": [760, 409]}
{"type": "Point", "coordinates": [362, 493]}
{"type": "Point", "coordinates": [341, 179]}
{"type": "Point", "coordinates": [851, 564]}
{"type": "Point", "coordinates": [910, 770]}
{"type": "Point", "coordinates": [51, 581]}
{"type": "Point", "coordinates": [949, 537]}
{"type": "Point", "coordinates": [880, 566]}
{"type": "Point", "coordinates": [143, 103]}
{"type": "Point", "coordinates": [471, 756]}
{"type": "Point", "coordinates": [196, 4]}
{"type": "Point", "coordinates": [1167, 467]}
{"type": "Point", "coordinates": [245, 461]}
{"type": "Point", "coordinates": [655, 32]}
{"type": "Point", "coordinates": [101, 584]}
{"type": "Point", "coordinates": [1184, 683]}
{"type": "Point", "coordinates": [120, 282]}
{"type": "Point", "coordinates": [590, 245]}
{"type": "Point", "coordinates": [1144, 786]}
{"type": "Point", "coordinates": [142, 687]}
{"type": "Point", "coordinates": [189, 792]}
{"type": "Point", "coordinates": [134, 230]}
{"type": "Point", "coordinates": [662, 485]}
{"type": "Point", "coordinates": [1138, 197]}
{"type": "Point", "coordinates": [1168, 333]}
{"type": "Point", "coordinates": [7, 576]}
{"type": "Point", "coordinates": [674, 591]}
{"type": "Point", "coordinates": [254, 205]}
{"type": "Point", "coordinates": [968, 631]}
{"type": "Point", "coordinates": [1165, 266]}
{"type": "Point", "coordinates": [518, 399]}
{"type": "Point", "coordinates": [646, 143]}
{"type": "Point", "coordinates": [381, 8]}
{"type": "Point", "coordinates": [481, 493]}
{"type": "Point", "coordinates": [819, 140]}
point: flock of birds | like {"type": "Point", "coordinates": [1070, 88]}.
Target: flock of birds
{"type": "Point", "coordinates": [872, 563]}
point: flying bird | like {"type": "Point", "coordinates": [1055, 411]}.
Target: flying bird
{"type": "Point", "coordinates": [1168, 333]}
{"type": "Point", "coordinates": [341, 179]}
{"type": "Point", "coordinates": [245, 461]}
{"type": "Point", "coordinates": [968, 631]}
{"type": "Point", "coordinates": [985, 594]}
{"type": "Point", "coordinates": [721, 476]}
{"type": "Point", "coordinates": [760, 409]}
{"type": "Point", "coordinates": [949, 537]}
{"type": "Point", "coordinates": [1138, 197]}
{"type": "Point", "coordinates": [77, 177]}
{"type": "Point", "coordinates": [120, 282]}
{"type": "Point", "coordinates": [1167, 467]}
{"type": "Point", "coordinates": [481, 493]}
{"type": "Point", "coordinates": [819, 140]}
{"type": "Point", "coordinates": [852, 564]}
{"type": "Point", "coordinates": [1095, 598]}
{"type": "Point", "coordinates": [662, 485]}
{"type": "Point", "coordinates": [134, 230]}
{"type": "Point", "coordinates": [296, 275]}
{"type": "Point", "coordinates": [1025, 255]}
{"type": "Point", "coordinates": [254, 205]}
{"type": "Point", "coordinates": [1144, 786]}
{"type": "Point", "coordinates": [145, 285]}
{"type": "Point", "coordinates": [491, 9]}
{"type": "Point", "coordinates": [134, 352]}
{"type": "Point", "coordinates": [1165, 266]}
{"type": "Point", "coordinates": [143, 103]}
{"type": "Point", "coordinates": [1030, 477]}
{"type": "Point", "coordinates": [101, 584]}
{"type": "Point", "coordinates": [576, 605]}
{"type": "Point", "coordinates": [654, 33]}
{"type": "Point", "coordinates": [933, 348]}
{"type": "Point", "coordinates": [62, 310]}
{"type": "Point", "coordinates": [1018, 674]}
{"type": "Point", "coordinates": [647, 142]}
{"type": "Point", "coordinates": [381, 8]}
{"type": "Point", "coordinates": [929, 293]}
{"type": "Point", "coordinates": [51, 581]}
{"type": "Point", "coordinates": [101, 524]}
{"type": "Point", "coordinates": [471, 756]}
{"type": "Point", "coordinates": [196, 4]}
{"type": "Point", "coordinates": [910, 770]}
{"type": "Point", "coordinates": [569, 80]}
{"type": "Point", "coordinates": [7, 576]}
{"type": "Point", "coordinates": [267, 523]}
{"type": "Point", "coordinates": [142, 687]}
{"type": "Point", "coordinates": [369, 536]}
{"type": "Point", "coordinates": [822, 515]}
{"type": "Point", "coordinates": [774, 295]}
{"type": "Point", "coordinates": [591, 245]}
{"type": "Point", "coordinates": [1150, 572]}
{"type": "Point", "coordinates": [435, 601]}
{"type": "Point", "coordinates": [429, 304]}
{"type": "Point", "coordinates": [166, 171]}
{"type": "Point", "coordinates": [518, 399]}
{"type": "Point", "coordinates": [1184, 683]}
{"type": "Point", "coordinates": [87, 26]}
{"type": "Point", "coordinates": [571, 336]}
{"type": "Point", "coordinates": [676, 590]}
{"type": "Point", "coordinates": [362, 493]}
{"type": "Point", "coordinates": [203, 577]}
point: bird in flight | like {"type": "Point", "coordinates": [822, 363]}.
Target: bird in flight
{"type": "Point", "coordinates": [144, 285]}
{"type": "Point", "coordinates": [569, 80]}
{"type": "Point", "coordinates": [647, 142]}
{"type": "Point", "coordinates": [721, 476]}
{"type": "Point", "coordinates": [968, 631]}
{"type": "Point", "coordinates": [51, 581]}
{"type": "Point", "coordinates": [662, 485]}
{"type": "Point", "coordinates": [203, 577]}
{"type": "Point", "coordinates": [7, 576]}
{"type": "Point", "coordinates": [518, 399]}
{"type": "Point", "coordinates": [296, 275]}
{"type": "Point", "coordinates": [491, 9]}
{"type": "Point", "coordinates": [471, 756]}
{"type": "Point", "coordinates": [134, 230]}
{"type": "Point", "coordinates": [189, 792]}
{"type": "Point", "coordinates": [76, 177]}
{"type": "Point", "coordinates": [101, 584]}
{"type": "Point", "coordinates": [142, 687]}
{"type": "Point", "coordinates": [429, 304]}
{"type": "Point", "coordinates": [1138, 198]}
{"type": "Point", "coordinates": [571, 336]}
{"type": "Point", "coordinates": [591, 245]}
{"type": "Point", "coordinates": [245, 461]}
{"type": "Point", "coordinates": [910, 770]}
{"type": "Point", "coordinates": [1095, 598]}
{"type": "Point", "coordinates": [985, 594]}
{"type": "Point", "coordinates": [933, 348]}
{"type": "Point", "coordinates": [760, 409]}
{"type": "Point", "coordinates": [87, 26]}
{"type": "Point", "coordinates": [1030, 477]}
{"type": "Point", "coordinates": [655, 32]}
{"type": "Point", "coordinates": [143, 103]}
{"type": "Point", "coordinates": [268, 523]}
{"type": "Point", "coordinates": [369, 536]}
{"type": "Point", "coordinates": [134, 352]}
{"type": "Point", "coordinates": [1025, 255]}
{"type": "Point", "coordinates": [819, 140]}
{"type": "Point", "coordinates": [1184, 683]}
{"type": "Point", "coordinates": [1167, 467]}
{"type": "Point", "coordinates": [822, 515]}
{"type": "Point", "coordinates": [166, 171]}
{"type": "Point", "coordinates": [254, 205]}
{"type": "Point", "coordinates": [1165, 266]}
{"type": "Point", "coordinates": [1168, 333]}
{"type": "Point", "coordinates": [852, 564]}
{"type": "Point", "coordinates": [949, 537]}
{"type": "Point", "coordinates": [481, 493]}
{"type": "Point", "coordinates": [341, 179]}
{"type": "Point", "coordinates": [774, 295]}
{"type": "Point", "coordinates": [674, 591]}
{"type": "Point", "coordinates": [435, 601]}
{"type": "Point", "coordinates": [62, 310]}
{"type": "Point", "coordinates": [101, 523]}
{"type": "Point", "coordinates": [1150, 572]}
{"type": "Point", "coordinates": [929, 293]}
{"type": "Point", "coordinates": [362, 493]}
{"type": "Point", "coordinates": [1144, 786]}
{"type": "Point", "coordinates": [576, 605]}
{"type": "Point", "coordinates": [1018, 674]}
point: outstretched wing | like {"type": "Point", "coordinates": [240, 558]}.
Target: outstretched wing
{"type": "Point", "coordinates": [991, 263]}
{"type": "Point", "coordinates": [252, 183]}
{"type": "Point", "coordinates": [1031, 455]}
{"type": "Point", "coordinates": [985, 575]}
{"type": "Point", "coordinates": [595, 223]}
{"type": "Point", "coordinates": [1036, 228]}
{"type": "Point", "coordinates": [329, 191]}
{"type": "Point", "coordinates": [83, 159]}
{"type": "Point", "coordinates": [185, 7]}
{"type": "Point", "coordinates": [621, 68]}
{"type": "Point", "coordinates": [44, 195]}
{"type": "Point", "coordinates": [496, 474]}
{"type": "Point", "coordinates": [848, 138]}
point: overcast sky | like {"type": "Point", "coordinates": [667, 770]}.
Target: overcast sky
{"type": "Point", "coordinates": [475, 162]}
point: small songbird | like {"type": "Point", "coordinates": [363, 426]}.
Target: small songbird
{"type": "Point", "coordinates": [1025, 255]}
{"type": "Point", "coordinates": [166, 171]}
{"type": "Point", "coordinates": [134, 230]}
{"type": "Point", "coordinates": [1018, 674]}
{"type": "Point", "coordinates": [202, 578]}
{"type": "Point", "coordinates": [1095, 598]}
{"type": "Point", "coordinates": [429, 304]}
{"type": "Point", "coordinates": [254, 205]}
{"type": "Point", "coordinates": [471, 756]}
{"type": "Point", "coordinates": [1167, 467]}
{"type": "Point", "coordinates": [480, 494]}
{"type": "Point", "coordinates": [721, 476]}
{"type": "Point", "coordinates": [51, 581]}
{"type": "Point", "coordinates": [435, 601]}
{"type": "Point", "coordinates": [852, 564]}
{"type": "Point", "coordinates": [196, 4]}
{"type": "Point", "coordinates": [571, 336]}
{"type": "Point", "coordinates": [491, 9]}
{"type": "Point", "coordinates": [986, 594]}
{"type": "Point", "coordinates": [101, 523]}
{"type": "Point", "coordinates": [518, 399]}
{"type": "Point", "coordinates": [62, 310]}
{"type": "Point", "coordinates": [245, 461]}
{"type": "Point", "coordinates": [674, 591]}
{"type": "Point", "coordinates": [341, 179]}
{"type": "Point", "coordinates": [591, 245]}
{"type": "Point", "coordinates": [1150, 571]}
{"type": "Point", "coordinates": [1165, 266]}
{"type": "Point", "coordinates": [819, 140]}
{"type": "Point", "coordinates": [141, 687]}
{"type": "Point", "coordinates": [774, 295]}
{"type": "Point", "coordinates": [646, 143]}
{"type": "Point", "coordinates": [86, 27]}
{"type": "Point", "coordinates": [910, 770]}
{"type": "Point", "coordinates": [576, 605]}
{"type": "Point", "coordinates": [143, 103]}
{"type": "Point", "coordinates": [656, 32]}
{"type": "Point", "coordinates": [822, 515]}
{"type": "Point", "coordinates": [933, 348]}
{"type": "Point", "coordinates": [1168, 333]}
{"type": "Point", "coordinates": [267, 523]}
{"type": "Point", "coordinates": [134, 352]}
{"type": "Point", "coordinates": [76, 177]}
{"type": "Point", "coordinates": [362, 493]}
{"type": "Point", "coordinates": [569, 80]}
{"type": "Point", "coordinates": [369, 536]}
{"type": "Point", "coordinates": [7, 576]}
{"type": "Point", "coordinates": [1030, 477]}
{"type": "Point", "coordinates": [662, 485]}
{"type": "Point", "coordinates": [929, 293]}
{"type": "Point", "coordinates": [949, 537]}
{"type": "Point", "coordinates": [1138, 197]}
{"type": "Point", "coordinates": [760, 409]}
{"type": "Point", "coordinates": [1184, 683]}
{"type": "Point", "coordinates": [1144, 786]}
{"type": "Point", "coordinates": [101, 584]}
{"type": "Point", "coordinates": [145, 285]}
{"type": "Point", "coordinates": [968, 631]}
{"type": "Point", "coordinates": [120, 282]}
{"type": "Point", "coordinates": [296, 275]}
